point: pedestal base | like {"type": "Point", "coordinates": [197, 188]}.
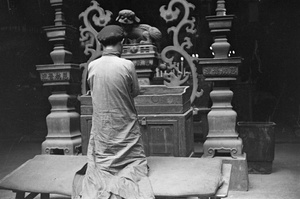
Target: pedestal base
{"type": "Point", "coordinates": [59, 146]}
{"type": "Point", "coordinates": [214, 146]}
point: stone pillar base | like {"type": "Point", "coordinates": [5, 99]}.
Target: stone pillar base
{"type": "Point", "coordinates": [214, 146]}
{"type": "Point", "coordinates": [59, 146]}
{"type": "Point", "coordinates": [63, 123]}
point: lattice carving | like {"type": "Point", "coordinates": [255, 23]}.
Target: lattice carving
{"type": "Point", "coordinates": [171, 13]}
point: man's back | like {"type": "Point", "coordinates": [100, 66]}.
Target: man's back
{"type": "Point", "coordinates": [112, 83]}
{"type": "Point", "coordinates": [115, 127]}
{"type": "Point", "coordinates": [116, 160]}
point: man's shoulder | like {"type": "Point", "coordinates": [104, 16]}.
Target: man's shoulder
{"type": "Point", "coordinates": [115, 61]}
{"type": "Point", "coordinates": [94, 61]}
{"type": "Point", "coordinates": [126, 60]}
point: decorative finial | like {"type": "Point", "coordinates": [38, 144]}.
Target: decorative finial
{"type": "Point", "coordinates": [221, 10]}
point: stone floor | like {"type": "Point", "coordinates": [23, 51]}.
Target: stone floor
{"type": "Point", "coordinates": [282, 183]}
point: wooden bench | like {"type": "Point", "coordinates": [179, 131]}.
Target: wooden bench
{"type": "Point", "coordinates": [170, 177]}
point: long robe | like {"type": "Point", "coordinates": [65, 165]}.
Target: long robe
{"type": "Point", "coordinates": [117, 166]}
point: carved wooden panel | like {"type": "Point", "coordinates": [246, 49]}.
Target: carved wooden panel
{"type": "Point", "coordinates": [160, 138]}
{"type": "Point", "coordinates": [167, 134]}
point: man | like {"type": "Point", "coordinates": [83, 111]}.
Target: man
{"type": "Point", "coordinates": [117, 166]}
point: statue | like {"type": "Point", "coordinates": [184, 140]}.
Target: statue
{"type": "Point", "coordinates": [136, 33]}
{"type": "Point", "coordinates": [140, 45]}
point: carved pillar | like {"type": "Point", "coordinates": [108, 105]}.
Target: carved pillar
{"type": "Point", "coordinates": [222, 140]}
{"type": "Point", "coordinates": [63, 78]}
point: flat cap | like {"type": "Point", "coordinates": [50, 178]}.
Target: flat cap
{"type": "Point", "coordinates": [111, 33]}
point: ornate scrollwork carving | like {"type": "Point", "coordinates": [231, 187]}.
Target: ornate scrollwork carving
{"type": "Point", "coordinates": [88, 33]}
{"type": "Point", "coordinates": [93, 17]}
{"type": "Point", "coordinates": [171, 13]}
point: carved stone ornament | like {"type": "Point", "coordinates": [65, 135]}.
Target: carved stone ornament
{"type": "Point", "coordinates": [60, 74]}
{"type": "Point", "coordinates": [145, 59]}
{"type": "Point", "coordinates": [171, 13]}
{"type": "Point", "coordinates": [140, 49]}
{"type": "Point", "coordinates": [222, 71]}
{"type": "Point", "coordinates": [88, 32]}
{"type": "Point", "coordinates": [232, 151]}
{"type": "Point", "coordinates": [55, 76]}
{"type": "Point", "coordinates": [140, 45]}
{"type": "Point", "coordinates": [220, 68]}
{"type": "Point", "coordinates": [136, 33]}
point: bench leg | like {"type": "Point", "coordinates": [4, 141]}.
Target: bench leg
{"type": "Point", "coordinates": [45, 195]}
{"type": "Point", "coordinates": [20, 195]}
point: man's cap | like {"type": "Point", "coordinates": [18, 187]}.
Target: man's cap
{"type": "Point", "coordinates": [110, 33]}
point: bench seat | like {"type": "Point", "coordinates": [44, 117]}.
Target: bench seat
{"type": "Point", "coordinates": [169, 176]}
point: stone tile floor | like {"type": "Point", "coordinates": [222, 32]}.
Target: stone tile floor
{"type": "Point", "coordinates": [282, 183]}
